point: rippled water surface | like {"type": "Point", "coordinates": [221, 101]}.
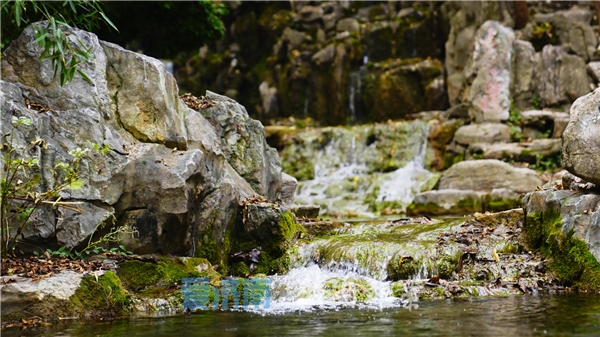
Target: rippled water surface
{"type": "Point", "coordinates": [528, 315]}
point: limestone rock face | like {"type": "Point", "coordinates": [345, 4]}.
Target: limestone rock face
{"type": "Point", "coordinates": [175, 174]}
{"type": "Point", "coordinates": [490, 69]}
{"type": "Point", "coordinates": [581, 138]}
{"type": "Point", "coordinates": [488, 174]}
{"type": "Point", "coordinates": [559, 77]}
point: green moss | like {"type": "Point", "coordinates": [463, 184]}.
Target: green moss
{"type": "Point", "coordinates": [401, 268]}
{"type": "Point", "coordinates": [398, 289]}
{"type": "Point", "coordinates": [428, 208]}
{"type": "Point", "coordinates": [569, 257]}
{"type": "Point", "coordinates": [498, 204]}
{"type": "Point", "coordinates": [445, 266]}
{"type": "Point", "coordinates": [241, 269]}
{"type": "Point", "coordinates": [104, 295]}
{"type": "Point", "coordinates": [138, 274]}
{"type": "Point", "coordinates": [353, 289]}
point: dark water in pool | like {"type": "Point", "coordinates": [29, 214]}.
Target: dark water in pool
{"type": "Point", "coordinates": [528, 315]}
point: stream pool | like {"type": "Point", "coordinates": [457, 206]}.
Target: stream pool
{"type": "Point", "coordinates": [527, 315]}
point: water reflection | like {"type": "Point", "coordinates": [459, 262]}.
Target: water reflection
{"type": "Point", "coordinates": [528, 315]}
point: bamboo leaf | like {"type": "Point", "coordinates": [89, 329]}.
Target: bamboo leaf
{"type": "Point", "coordinates": [108, 20]}
{"type": "Point", "coordinates": [85, 77]}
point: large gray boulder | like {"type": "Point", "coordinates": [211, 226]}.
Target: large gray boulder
{"type": "Point", "coordinates": [490, 71]}
{"type": "Point", "coordinates": [559, 77]}
{"type": "Point", "coordinates": [581, 138]}
{"type": "Point", "coordinates": [489, 174]}
{"type": "Point", "coordinates": [174, 174]}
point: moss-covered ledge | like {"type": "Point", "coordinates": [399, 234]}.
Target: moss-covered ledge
{"type": "Point", "coordinates": [569, 258]}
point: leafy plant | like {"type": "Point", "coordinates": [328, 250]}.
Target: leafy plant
{"type": "Point", "coordinates": [549, 163]}
{"type": "Point", "coordinates": [64, 53]}
{"type": "Point", "coordinates": [514, 122]}
{"type": "Point", "coordinates": [535, 102]}
{"type": "Point", "coordinates": [22, 191]}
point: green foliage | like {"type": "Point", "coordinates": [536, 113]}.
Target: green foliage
{"type": "Point", "coordinates": [514, 123]}
{"type": "Point", "coordinates": [547, 163]}
{"type": "Point", "coordinates": [535, 102]}
{"type": "Point", "coordinates": [64, 53]}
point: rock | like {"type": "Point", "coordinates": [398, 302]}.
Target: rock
{"type": "Point", "coordinates": [335, 12]}
{"type": "Point", "coordinates": [581, 139]}
{"type": "Point", "coordinates": [324, 56]}
{"type": "Point", "coordinates": [579, 213]}
{"type": "Point", "coordinates": [575, 183]}
{"type": "Point", "coordinates": [310, 14]}
{"type": "Point", "coordinates": [292, 38]}
{"type": "Point", "coordinates": [271, 226]}
{"type": "Point", "coordinates": [574, 32]}
{"type": "Point", "coordinates": [560, 124]}
{"type": "Point", "coordinates": [73, 228]}
{"type": "Point", "coordinates": [446, 202]}
{"type": "Point", "coordinates": [526, 152]}
{"type": "Point", "coordinates": [593, 69]}
{"type": "Point", "coordinates": [24, 292]}
{"type": "Point", "coordinates": [505, 218]}
{"type": "Point", "coordinates": [457, 111]}
{"type": "Point", "coordinates": [523, 72]}
{"type": "Point", "coordinates": [490, 69]}
{"type": "Point", "coordinates": [243, 142]}
{"type": "Point", "coordinates": [174, 174]}
{"type": "Point", "coordinates": [149, 117]}
{"type": "Point", "coordinates": [541, 117]}
{"type": "Point", "coordinates": [305, 211]}
{"type": "Point", "coordinates": [347, 25]}
{"type": "Point", "coordinates": [488, 174]}
{"type": "Point", "coordinates": [541, 123]}
{"type": "Point", "coordinates": [323, 227]}
{"type": "Point", "coordinates": [288, 188]}
{"type": "Point", "coordinates": [559, 77]}
{"type": "Point", "coordinates": [482, 133]}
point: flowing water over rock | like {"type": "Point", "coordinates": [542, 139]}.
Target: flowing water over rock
{"type": "Point", "coordinates": [398, 263]}
{"type": "Point", "coordinates": [360, 170]}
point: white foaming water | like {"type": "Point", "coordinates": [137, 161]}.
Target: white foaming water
{"type": "Point", "coordinates": [304, 289]}
{"type": "Point", "coordinates": [342, 179]}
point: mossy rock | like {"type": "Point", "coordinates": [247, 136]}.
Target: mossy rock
{"type": "Point", "coordinates": [102, 296]}
{"type": "Point", "coordinates": [569, 257]}
{"type": "Point", "coordinates": [353, 289]}
{"type": "Point", "coordinates": [402, 268]}
{"type": "Point", "coordinates": [138, 275]}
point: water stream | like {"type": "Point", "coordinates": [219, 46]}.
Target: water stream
{"type": "Point", "coordinates": [528, 315]}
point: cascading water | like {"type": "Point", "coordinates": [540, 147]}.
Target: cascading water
{"type": "Point", "coordinates": [354, 90]}
{"type": "Point", "coordinates": [363, 167]}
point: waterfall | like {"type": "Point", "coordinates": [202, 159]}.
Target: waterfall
{"type": "Point", "coordinates": [348, 178]}
{"type": "Point", "coordinates": [354, 90]}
